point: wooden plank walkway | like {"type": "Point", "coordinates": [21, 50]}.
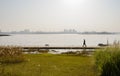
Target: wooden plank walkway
{"type": "Point", "coordinates": [62, 47]}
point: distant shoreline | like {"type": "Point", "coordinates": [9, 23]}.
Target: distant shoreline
{"type": "Point", "coordinates": [4, 35]}
{"type": "Point", "coordinates": [71, 33]}
{"type": "Point", "coordinates": [62, 32]}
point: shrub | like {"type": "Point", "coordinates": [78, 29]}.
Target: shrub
{"type": "Point", "coordinates": [10, 54]}
{"type": "Point", "coordinates": [108, 61]}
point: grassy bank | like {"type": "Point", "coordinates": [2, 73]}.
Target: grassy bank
{"type": "Point", "coordinates": [51, 65]}
{"type": "Point", "coordinates": [14, 63]}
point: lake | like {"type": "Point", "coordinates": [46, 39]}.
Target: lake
{"type": "Point", "coordinates": [56, 39]}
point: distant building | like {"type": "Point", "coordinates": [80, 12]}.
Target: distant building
{"type": "Point", "coordinates": [65, 30]}
{"type": "Point", "coordinates": [26, 30]}
{"type": "Point", "coordinates": [70, 30]}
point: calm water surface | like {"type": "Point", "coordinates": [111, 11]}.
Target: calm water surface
{"type": "Point", "coordinates": [56, 39]}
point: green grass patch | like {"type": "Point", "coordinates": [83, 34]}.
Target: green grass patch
{"type": "Point", "coordinates": [51, 65]}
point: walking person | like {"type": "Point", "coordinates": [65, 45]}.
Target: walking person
{"type": "Point", "coordinates": [84, 46]}
{"type": "Point", "coordinates": [84, 43]}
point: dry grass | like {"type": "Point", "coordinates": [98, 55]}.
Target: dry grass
{"type": "Point", "coordinates": [9, 54]}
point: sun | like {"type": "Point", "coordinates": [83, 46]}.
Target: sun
{"type": "Point", "coordinates": [73, 2]}
{"type": "Point", "coordinates": [70, 1]}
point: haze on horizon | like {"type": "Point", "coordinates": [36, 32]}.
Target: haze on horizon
{"type": "Point", "coordinates": [55, 15]}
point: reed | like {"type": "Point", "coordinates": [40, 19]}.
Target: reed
{"type": "Point", "coordinates": [11, 54]}
{"type": "Point", "coordinates": [108, 61]}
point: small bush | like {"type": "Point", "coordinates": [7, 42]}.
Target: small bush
{"type": "Point", "coordinates": [9, 54]}
{"type": "Point", "coordinates": [108, 61]}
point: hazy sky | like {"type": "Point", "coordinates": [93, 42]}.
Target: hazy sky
{"type": "Point", "coordinates": [56, 15]}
